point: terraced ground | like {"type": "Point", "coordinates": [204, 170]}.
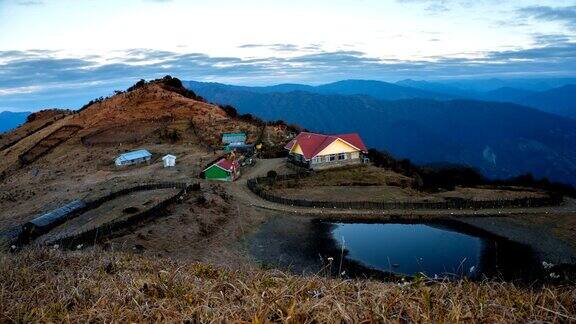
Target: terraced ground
{"type": "Point", "coordinates": [48, 143]}
{"type": "Point", "coordinates": [35, 123]}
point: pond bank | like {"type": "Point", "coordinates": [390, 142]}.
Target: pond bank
{"type": "Point", "coordinates": [545, 244]}
{"type": "Point", "coordinates": [304, 244]}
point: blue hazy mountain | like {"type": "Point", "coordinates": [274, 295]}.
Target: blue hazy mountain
{"type": "Point", "coordinates": [557, 96]}
{"type": "Point", "coordinates": [500, 139]}
{"type": "Point", "coordinates": [561, 101]}
{"type": "Point", "coordinates": [506, 94]}
{"type": "Point", "coordinates": [10, 120]}
{"type": "Point", "coordinates": [438, 88]}
{"type": "Point", "coordinates": [377, 89]}
{"type": "Point", "coordinates": [486, 85]}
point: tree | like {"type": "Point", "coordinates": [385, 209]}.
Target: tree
{"type": "Point", "coordinates": [272, 176]}
{"type": "Point", "coordinates": [230, 111]}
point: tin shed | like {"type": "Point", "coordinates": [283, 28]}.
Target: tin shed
{"type": "Point", "coordinates": [133, 157]}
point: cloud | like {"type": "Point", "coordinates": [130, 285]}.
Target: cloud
{"type": "Point", "coordinates": [550, 39]}
{"type": "Point", "coordinates": [566, 15]}
{"type": "Point", "coordinates": [432, 6]}
{"type": "Point", "coordinates": [36, 79]}
{"type": "Point", "coordinates": [439, 6]}
{"type": "Point", "coordinates": [276, 47]}
{"type": "Point", "coordinates": [29, 2]}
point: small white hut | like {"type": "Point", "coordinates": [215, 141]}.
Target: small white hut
{"type": "Point", "coordinates": [169, 160]}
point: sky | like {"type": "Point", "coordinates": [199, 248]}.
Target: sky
{"type": "Point", "coordinates": [58, 53]}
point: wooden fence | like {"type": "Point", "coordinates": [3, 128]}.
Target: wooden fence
{"type": "Point", "coordinates": [30, 231]}
{"type": "Point", "coordinates": [255, 185]}
{"type": "Point", "coordinates": [117, 227]}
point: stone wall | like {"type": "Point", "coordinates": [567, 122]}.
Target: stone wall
{"type": "Point", "coordinates": [335, 164]}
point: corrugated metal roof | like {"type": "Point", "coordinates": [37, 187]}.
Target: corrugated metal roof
{"type": "Point", "coordinates": [233, 137]}
{"type": "Point", "coordinates": [233, 134]}
{"type": "Point", "coordinates": [134, 155]}
{"type": "Point", "coordinates": [228, 165]}
{"type": "Point", "coordinates": [225, 164]}
{"type": "Point", "coordinates": [58, 213]}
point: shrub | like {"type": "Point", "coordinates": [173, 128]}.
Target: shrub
{"type": "Point", "coordinates": [171, 135]}
{"type": "Point", "coordinates": [172, 82]}
{"type": "Point", "coordinates": [137, 85]}
{"type": "Point", "coordinates": [230, 111]}
{"type": "Point", "coordinates": [272, 175]}
{"type": "Point", "coordinates": [201, 200]}
{"type": "Point", "coordinates": [91, 102]}
{"type": "Point", "coordinates": [251, 119]}
{"type": "Point", "coordinates": [448, 176]}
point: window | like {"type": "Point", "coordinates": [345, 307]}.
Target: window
{"type": "Point", "coordinates": [317, 159]}
{"type": "Point", "coordinates": [342, 156]}
{"type": "Point", "coordinates": [331, 157]}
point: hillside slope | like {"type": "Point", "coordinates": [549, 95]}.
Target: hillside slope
{"type": "Point", "coordinates": [560, 101]}
{"type": "Point", "coordinates": [70, 155]}
{"type": "Point", "coordinates": [500, 139]}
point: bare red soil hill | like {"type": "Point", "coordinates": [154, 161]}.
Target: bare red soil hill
{"type": "Point", "coordinates": [58, 156]}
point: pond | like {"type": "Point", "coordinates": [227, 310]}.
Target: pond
{"type": "Point", "coordinates": [436, 249]}
{"type": "Point", "coordinates": [410, 248]}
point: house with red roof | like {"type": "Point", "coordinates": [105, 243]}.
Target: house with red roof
{"type": "Point", "coordinates": [223, 170]}
{"type": "Point", "coordinates": [318, 151]}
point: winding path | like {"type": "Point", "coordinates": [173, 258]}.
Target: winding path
{"type": "Point", "coordinates": [239, 189]}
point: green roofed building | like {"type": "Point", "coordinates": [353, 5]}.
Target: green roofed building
{"type": "Point", "coordinates": [223, 170]}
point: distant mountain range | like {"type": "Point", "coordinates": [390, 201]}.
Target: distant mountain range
{"type": "Point", "coordinates": [500, 139]}
{"type": "Point", "coordinates": [10, 120]}
{"type": "Point", "coordinates": [557, 100]}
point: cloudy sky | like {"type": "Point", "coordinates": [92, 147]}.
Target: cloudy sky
{"type": "Point", "coordinates": [61, 52]}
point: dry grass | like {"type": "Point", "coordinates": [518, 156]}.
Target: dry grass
{"type": "Point", "coordinates": [47, 285]}
{"type": "Point", "coordinates": [369, 183]}
{"type": "Point", "coordinates": [348, 176]}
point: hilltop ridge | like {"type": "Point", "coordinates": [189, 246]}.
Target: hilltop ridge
{"type": "Point", "coordinates": [58, 156]}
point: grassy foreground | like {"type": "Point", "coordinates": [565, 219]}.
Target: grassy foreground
{"type": "Point", "coordinates": [93, 285]}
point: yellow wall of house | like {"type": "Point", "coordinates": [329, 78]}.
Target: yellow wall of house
{"type": "Point", "coordinates": [338, 146]}
{"type": "Point", "coordinates": [297, 149]}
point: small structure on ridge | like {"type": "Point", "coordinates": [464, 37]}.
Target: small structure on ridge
{"type": "Point", "coordinates": [169, 160]}
{"type": "Point", "coordinates": [233, 138]}
{"type": "Point", "coordinates": [133, 157]}
{"type": "Point", "coordinates": [223, 170]}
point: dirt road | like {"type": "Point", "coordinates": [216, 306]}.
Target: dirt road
{"type": "Point", "coordinates": [240, 190]}
{"type": "Point", "coordinates": [549, 230]}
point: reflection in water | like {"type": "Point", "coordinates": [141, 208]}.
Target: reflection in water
{"type": "Point", "coordinates": [442, 248]}
{"type": "Point", "coordinates": [410, 248]}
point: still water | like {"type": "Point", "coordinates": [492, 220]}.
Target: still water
{"type": "Point", "coordinates": [410, 248]}
{"type": "Point", "coordinates": [361, 249]}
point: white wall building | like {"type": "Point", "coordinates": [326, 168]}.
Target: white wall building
{"type": "Point", "coordinates": [169, 160]}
